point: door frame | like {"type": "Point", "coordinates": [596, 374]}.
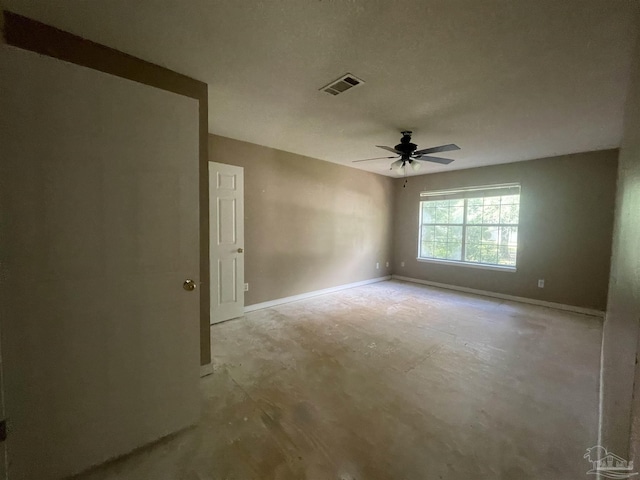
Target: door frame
{"type": "Point", "coordinates": [28, 34]}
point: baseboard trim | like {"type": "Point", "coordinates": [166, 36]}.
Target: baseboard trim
{"type": "Point", "coordinates": [531, 301]}
{"type": "Point", "coordinates": [206, 370]}
{"type": "Point", "coordinates": [315, 293]}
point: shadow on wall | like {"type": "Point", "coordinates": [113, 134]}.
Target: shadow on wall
{"type": "Point", "coordinates": [313, 245]}
{"type": "Point", "coordinates": [309, 224]}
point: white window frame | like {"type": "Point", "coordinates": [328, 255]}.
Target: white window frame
{"type": "Point", "coordinates": [466, 194]}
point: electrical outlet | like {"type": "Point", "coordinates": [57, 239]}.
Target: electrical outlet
{"type": "Point", "coordinates": [541, 283]}
{"type": "Point", "coordinates": [402, 264]}
{"type": "Point", "coordinates": [377, 264]}
{"type": "Point", "coordinates": [246, 287]}
{"type": "Point", "coordinates": [387, 265]}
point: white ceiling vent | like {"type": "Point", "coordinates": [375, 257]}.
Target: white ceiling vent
{"type": "Point", "coordinates": [343, 84]}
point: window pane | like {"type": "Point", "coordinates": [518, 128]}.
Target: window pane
{"type": "Point", "coordinates": [508, 199]}
{"type": "Point", "coordinates": [508, 245]}
{"type": "Point", "coordinates": [428, 233]}
{"type": "Point", "coordinates": [509, 213]}
{"type": "Point", "coordinates": [442, 214]}
{"type": "Point", "coordinates": [472, 246]}
{"type": "Point", "coordinates": [472, 252]}
{"type": "Point", "coordinates": [491, 211]}
{"type": "Point", "coordinates": [508, 235]}
{"type": "Point", "coordinates": [489, 253]}
{"type": "Point", "coordinates": [490, 235]}
{"type": "Point", "coordinates": [506, 255]}
{"type": "Point", "coordinates": [447, 251]}
{"type": "Point", "coordinates": [441, 233]}
{"type": "Point", "coordinates": [426, 249]}
{"type": "Point", "coordinates": [474, 235]}
{"type": "Point", "coordinates": [440, 250]}
{"type": "Point", "coordinates": [454, 250]}
{"type": "Point", "coordinates": [428, 212]}
{"type": "Point", "coordinates": [491, 201]}
{"type": "Point", "coordinates": [474, 211]}
{"type": "Point", "coordinates": [456, 215]}
{"type": "Point", "coordinates": [455, 235]}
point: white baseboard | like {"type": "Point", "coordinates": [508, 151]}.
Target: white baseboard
{"type": "Point", "coordinates": [542, 303]}
{"type": "Point", "coordinates": [302, 296]}
{"type": "Point", "coordinates": [206, 369]}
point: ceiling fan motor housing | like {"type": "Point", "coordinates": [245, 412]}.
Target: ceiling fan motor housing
{"type": "Point", "coordinates": [405, 146]}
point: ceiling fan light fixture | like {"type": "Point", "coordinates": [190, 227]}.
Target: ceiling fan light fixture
{"type": "Point", "coordinates": [415, 166]}
{"type": "Point", "coordinates": [397, 164]}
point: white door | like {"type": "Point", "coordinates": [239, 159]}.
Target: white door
{"type": "Point", "coordinates": [226, 210]}
{"type": "Point", "coordinates": [99, 230]}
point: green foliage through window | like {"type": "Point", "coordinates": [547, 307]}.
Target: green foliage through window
{"type": "Point", "coordinates": [475, 230]}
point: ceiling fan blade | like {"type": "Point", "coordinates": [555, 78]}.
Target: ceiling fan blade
{"type": "Point", "coordinates": [389, 149]}
{"type": "Point", "coordinates": [442, 148]}
{"type": "Point", "coordinates": [367, 159]}
{"type": "Point", "coordinates": [425, 158]}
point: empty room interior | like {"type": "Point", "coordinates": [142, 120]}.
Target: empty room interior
{"type": "Point", "coordinates": [319, 240]}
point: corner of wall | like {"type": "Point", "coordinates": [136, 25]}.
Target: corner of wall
{"type": "Point", "coordinates": [619, 422]}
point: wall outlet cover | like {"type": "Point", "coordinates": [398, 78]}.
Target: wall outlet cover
{"type": "Point", "coordinates": [246, 287]}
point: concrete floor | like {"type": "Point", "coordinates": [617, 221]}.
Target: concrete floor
{"type": "Point", "coordinates": [390, 381]}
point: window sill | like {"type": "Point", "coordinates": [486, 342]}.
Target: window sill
{"type": "Point", "coordinates": [499, 268]}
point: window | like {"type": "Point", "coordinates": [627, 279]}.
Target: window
{"type": "Point", "coordinates": [476, 225]}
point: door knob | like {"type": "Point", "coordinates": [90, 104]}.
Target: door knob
{"type": "Point", "coordinates": [240, 250]}
{"type": "Point", "coordinates": [189, 285]}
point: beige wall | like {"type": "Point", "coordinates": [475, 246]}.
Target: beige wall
{"type": "Point", "coordinates": [620, 339]}
{"type": "Point", "coordinates": [566, 219]}
{"type": "Point", "coordinates": [309, 224]}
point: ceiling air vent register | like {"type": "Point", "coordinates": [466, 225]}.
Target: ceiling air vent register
{"type": "Point", "coordinates": [342, 84]}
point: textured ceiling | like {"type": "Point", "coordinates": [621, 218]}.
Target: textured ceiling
{"type": "Point", "coordinates": [507, 80]}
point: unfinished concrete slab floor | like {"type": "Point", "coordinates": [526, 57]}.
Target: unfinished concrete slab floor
{"type": "Point", "coordinates": [390, 381]}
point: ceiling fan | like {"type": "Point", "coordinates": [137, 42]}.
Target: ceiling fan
{"type": "Point", "coordinates": [406, 153]}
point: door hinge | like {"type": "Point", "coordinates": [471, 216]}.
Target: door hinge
{"type": "Point", "coordinates": [3, 430]}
